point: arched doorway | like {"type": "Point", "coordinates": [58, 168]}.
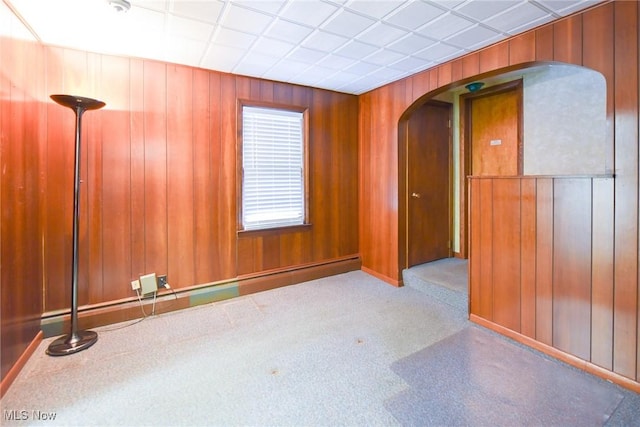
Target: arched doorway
{"type": "Point", "coordinates": [561, 135]}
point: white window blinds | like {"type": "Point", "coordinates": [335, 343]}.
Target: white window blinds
{"type": "Point", "coordinates": [272, 168]}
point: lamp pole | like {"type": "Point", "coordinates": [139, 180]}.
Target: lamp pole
{"type": "Point", "coordinates": [76, 340]}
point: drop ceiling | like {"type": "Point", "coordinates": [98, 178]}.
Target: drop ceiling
{"type": "Point", "coordinates": [350, 46]}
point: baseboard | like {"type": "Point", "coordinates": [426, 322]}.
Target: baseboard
{"type": "Point", "coordinates": [22, 360]}
{"type": "Point", "coordinates": [57, 323]}
{"type": "Point", "coordinates": [389, 280]}
{"type": "Point", "coordinates": [559, 354]}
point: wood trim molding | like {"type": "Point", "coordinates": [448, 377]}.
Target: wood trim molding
{"type": "Point", "coordinates": [389, 280]}
{"type": "Point", "coordinates": [20, 363]}
{"type": "Point", "coordinates": [558, 354]}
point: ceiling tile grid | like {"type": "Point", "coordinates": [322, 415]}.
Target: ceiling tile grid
{"type": "Point", "coordinates": [350, 46]}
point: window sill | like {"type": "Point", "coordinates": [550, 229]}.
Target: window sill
{"type": "Point", "coordinates": [274, 231]}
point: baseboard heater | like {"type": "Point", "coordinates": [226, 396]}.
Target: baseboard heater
{"type": "Point", "coordinates": [54, 323]}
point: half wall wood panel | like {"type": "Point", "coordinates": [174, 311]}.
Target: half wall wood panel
{"type": "Point", "coordinates": [501, 207]}
{"type": "Point", "coordinates": [605, 39]}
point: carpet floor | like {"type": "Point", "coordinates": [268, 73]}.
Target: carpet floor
{"type": "Point", "coordinates": [347, 350]}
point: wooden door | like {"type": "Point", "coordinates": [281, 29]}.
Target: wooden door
{"type": "Point", "coordinates": [428, 179]}
{"type": "Point", "coordinates": [495, 120]}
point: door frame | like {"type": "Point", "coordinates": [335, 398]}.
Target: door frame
{"type": "Point", "coordinates": [465, 150]}
{"type": "Point", "coordinates": [403, 178]}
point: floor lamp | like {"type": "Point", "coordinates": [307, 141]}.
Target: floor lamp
{"type": "Point", "coordinates": [76, 340]}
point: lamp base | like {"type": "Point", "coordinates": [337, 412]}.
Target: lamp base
{"type": "Point", "coordinates": [72, 343]}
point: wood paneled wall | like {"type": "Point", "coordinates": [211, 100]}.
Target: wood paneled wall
{"type": "Point", "coordinates": [159, 179]}
{"type": "Point", "coordinates": [21, 157]}
{"type": "Point", "coordinates": [159, 173]}
{"type": "Point", "coordinates": [604, 38]}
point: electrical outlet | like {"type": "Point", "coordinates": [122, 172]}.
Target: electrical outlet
{"type": "Point", "coordinates": [135, 284]}
{"type": "Point", "coordinates": [162, 282]}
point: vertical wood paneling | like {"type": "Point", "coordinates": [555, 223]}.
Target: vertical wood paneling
{"type": "Point", "coordinates": [115, 182]}
{"type": "Point", "coordinates": [522, 48]}
{"type": "Point", "coordinates": [544, 261]}
{"type": "Point", "coordinates": [155, 153]}
{"type": "Point", "coordinates": [602, 274]}
{"type": "Point", "coordinates": [475, 250]}
{"type": "Point", "coordinates": [203, 189]}
{"type": "Point", "coordinates": [567, 40]}
{"type": "Point", "coordinates": [597, 39]}
{"type": "Point", "coordinates": [136, 101]}
{"type": "Point", "coordinates": [180, 178]}
{"type": "Point", "coordinates": [486, 249]}
{"type": "Point", "coordinates": [470, 65]}
{"type": "Point", "coordinates": [20, 188]}
{"type": "Point", "coordinates": [59, 191]}
{"type": "Point", "coordinates": [625, 337]}
{"type": "Point", "coordinates": [506, 240]}
{"type": "Point", "coordinates": [544, 43]}
{"type": "Point", "coordinates": [494, 57]}
{"type": "Point", "coordinates": [572, 267]}
{"type": "Point", "coordinates": [444, 74]}
{"type": "Point", "coordinates": [528, 257]}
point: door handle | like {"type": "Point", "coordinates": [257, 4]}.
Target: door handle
{"type": "Point", "coordinates": [415, 195]}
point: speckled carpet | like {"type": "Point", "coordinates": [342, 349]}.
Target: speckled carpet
{"type": "Point", "coordinates": [347, 350]}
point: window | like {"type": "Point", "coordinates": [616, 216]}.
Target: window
{"type": "Point", "coordinates": [273, 168]}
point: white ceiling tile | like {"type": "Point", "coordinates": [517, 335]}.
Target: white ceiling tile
{"type": "Point", "coordinates": [347, 24]}
{"type": "Point", "coordinates": [386, 74]}
{"type": "Point", "coordinates": [336, 62]}
{"type": "Point", "coordinates": [384, 56]}
{"type": "Point", "coordinates": [362, 68]}
{"type": "Point", "coordinates": [481, 10]}
{"type": "Point", "coordinates": [10, 25]}
{"type": "Point", "coordinates": [374, 8]}
{"type": "Point", "coordinates": [312, 15]}
{"type": "Point", "coordinates": [255, 64]}
{"type": "Point", "coordinates": [208, 11]}
{"type": "Point", "coordinates": [445, 26]}
{"type": "Point", "coordinates": [321, 40]}
{"type": "Point", "coordinates": [566, 7]}
{"type": "Point", "coordinates": [355, 49]}
{"type": "Point", "coordinates": [340, 79]}
{"type": "Point", "coordinates": [259, 37]}
{"type": "Point", "coordinates": [308, 56]}
{"type": "Point", "coordinates": [414, 15]}
{"type": "Point", "coordinates": [438, 51]}
{"type": "Point", "coordinates": [222, 58]}
{"type": "Point", "coordinates": [314, 75]}
{"type": "Point", "coordinates": [286, 70]}
{"type": "Point", "coordinates": [409, 63]}
{"type": "Point", "coordinates": [412, 43]}
{"type": "Point", "coordinates": [158, 5]}
{"type": "Point", "coordinates": [245, 20]}
{"type": "Point", "coordinates": [189, 28]}
{"type": "Point", "coordinates": [233, 38]}
{"type": "Point", "coordinates": [473, 37]}
{"type": "Point", "coordinates": [273, 47]}
{"type": "Point", "coordinates": [184, 50]}
{"type": "Point", "coordinates": [269, 6]}
{"type": "Point", "coordinates": [447, 4]}
{"type": "Point", "coordinates": [381, 34]}
{"type": "Point", "coordinates": [516, 17]}
{"type": "Point", "coordinates": [288, 31]}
